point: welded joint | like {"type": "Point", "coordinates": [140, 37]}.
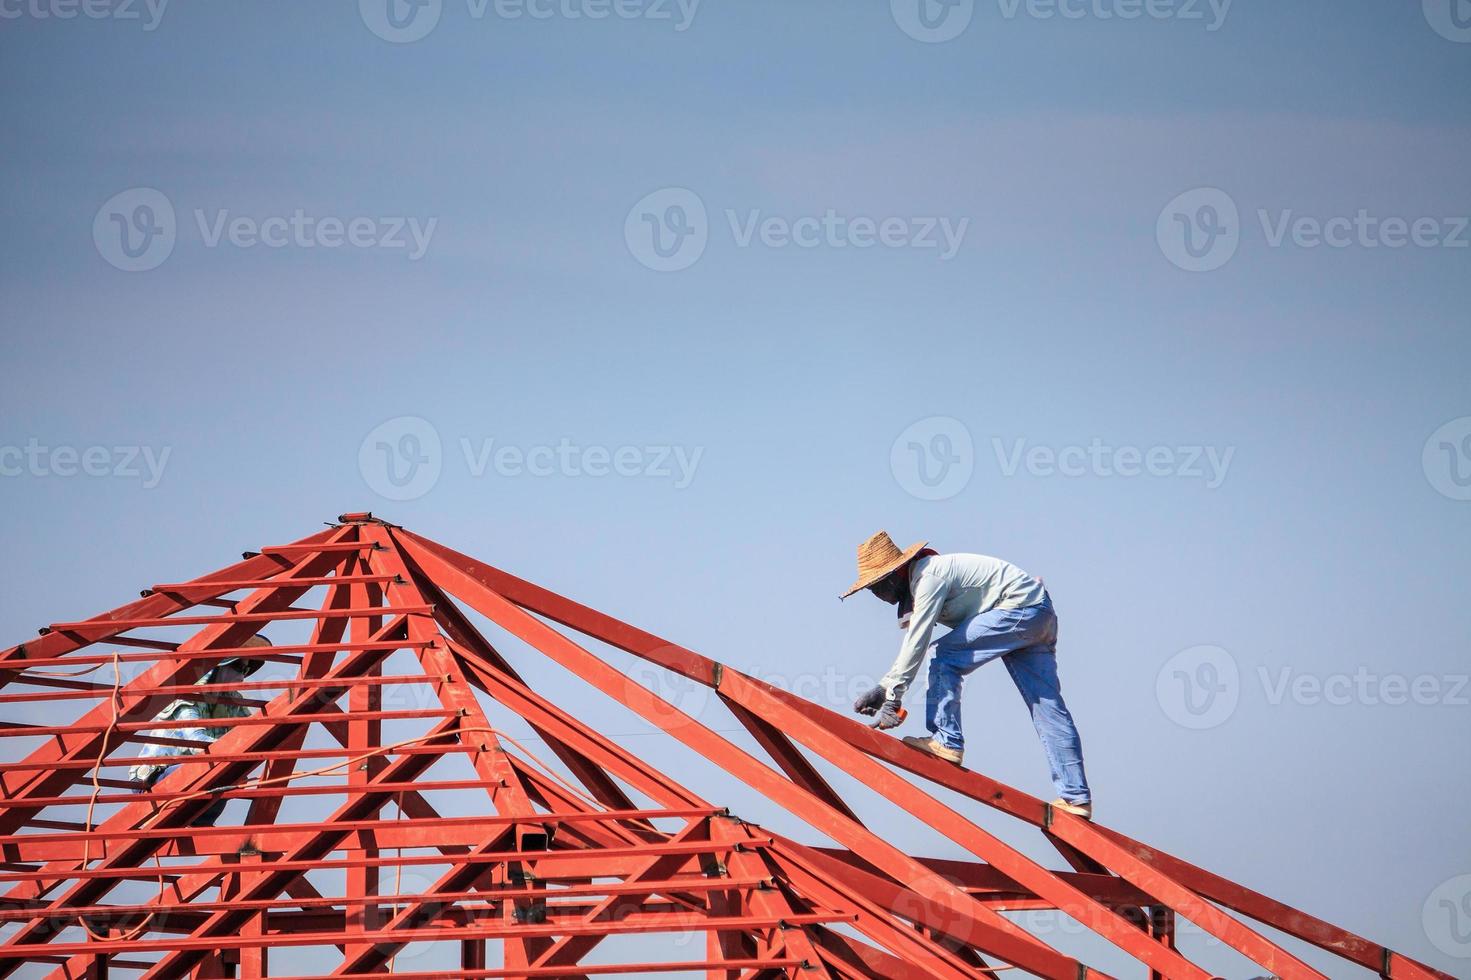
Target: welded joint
{"type": "Point", "coordinates": [1386, 961]}
{"type": "Point", "coordinates": [717, 674]}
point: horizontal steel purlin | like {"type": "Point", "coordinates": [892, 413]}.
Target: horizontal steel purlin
{"type": "Point", "coordinates": [486, 899]}
{"type": "Point", "coordinates": [673, 923]}
{"type": "Point", "coordinates": [230, 619]}
{"type": "Point", "coordinates": [22, 663]}
{"type": "Point", "coordinates": [746, 968]}
{"type": "Point", "coordinates": [235, 585]}
{"type": "Point", "coordinates": [194, 691]}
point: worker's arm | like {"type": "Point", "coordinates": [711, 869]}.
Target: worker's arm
{"type": "Point", "coordinates": [929, 596]}
{"type": "Point", "coordinates": [173, 711]}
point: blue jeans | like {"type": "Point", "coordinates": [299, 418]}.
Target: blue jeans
{"type": "Point", "coordinates": [205, 819]}
{"type": "Point", "coordinates": [1026, 640]}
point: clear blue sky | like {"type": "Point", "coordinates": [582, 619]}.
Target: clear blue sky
{"type": "Point", "coordinates": [1333, 543]}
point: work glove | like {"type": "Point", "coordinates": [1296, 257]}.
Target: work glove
{"type": "Point", "coordinates": [889, 716]}
{"type": "Point", "coordinates": [869, 703]}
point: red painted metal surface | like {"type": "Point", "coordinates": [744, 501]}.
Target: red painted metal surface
{"type": "Point", "coordinates": [381, 808]}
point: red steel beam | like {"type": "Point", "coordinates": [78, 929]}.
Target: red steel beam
{"type": "Point", "coordinates": [247, 617]}
{"type": "Point", "coordinates": [693, 666]}
{"type": "Point", "coordinates": [202, 946]}
{"type": "Point", "coordinates": [1007, 940]}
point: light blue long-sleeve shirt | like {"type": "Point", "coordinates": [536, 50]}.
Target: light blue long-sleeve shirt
{"type": "Point", "coordinates": [185, 710]}
{"type": "Point", "coordinates": [948, 589]}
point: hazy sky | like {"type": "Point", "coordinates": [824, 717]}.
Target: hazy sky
{"type": "Point", "coordinates": [668, 309]}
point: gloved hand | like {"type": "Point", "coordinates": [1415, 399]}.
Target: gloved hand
{"type": "Point", "coordinates": [869, 703]}
{"type": "Point", "coordinates": [889, 716]}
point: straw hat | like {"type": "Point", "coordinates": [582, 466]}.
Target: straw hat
{"type": "Point", "coordinates": [877, 557]}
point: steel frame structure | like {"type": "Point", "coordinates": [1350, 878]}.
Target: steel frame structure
{"type": "Point", "coordinates": [555, 865]}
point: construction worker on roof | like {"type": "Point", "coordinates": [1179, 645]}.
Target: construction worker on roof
{"type": "Point", "coordinates": [232, 671]}
{"type": "Point", "coordinates": [994, 611]}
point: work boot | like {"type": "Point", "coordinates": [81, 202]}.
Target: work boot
{"type": "Point", "coordinates": [1084, 810]}
{"type": "Point", "coordinates": [926, 744]}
